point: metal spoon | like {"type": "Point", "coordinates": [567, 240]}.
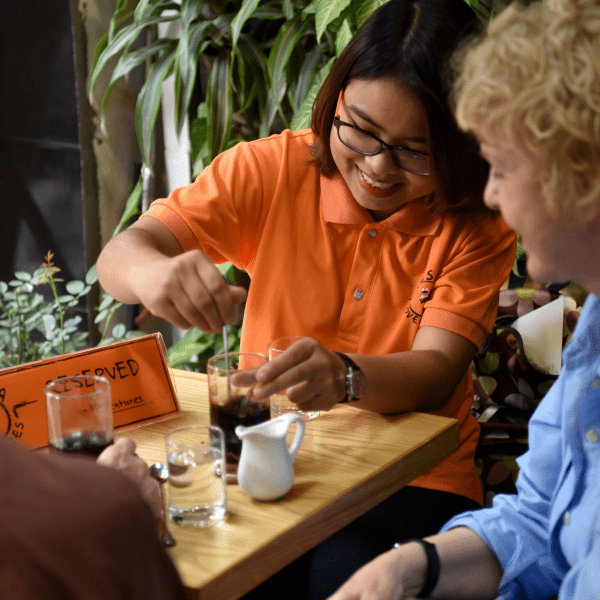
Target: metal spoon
{"type": "Point", "coordinates": [160, 472]}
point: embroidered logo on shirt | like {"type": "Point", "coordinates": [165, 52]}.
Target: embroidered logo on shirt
{"type": "Point", "coordinates": [424, 288]}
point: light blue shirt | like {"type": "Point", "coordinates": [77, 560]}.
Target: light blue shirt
{"type": "Point", "coordinates": [547, 537]}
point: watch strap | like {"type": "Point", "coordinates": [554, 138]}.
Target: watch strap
{"type": "Point", "coordinates": [433, 566]}
{"type": "Point", "coordinates": [352, 368]}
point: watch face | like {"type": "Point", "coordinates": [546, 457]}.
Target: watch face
{"type": "Point", "coordinates": [359, 384]}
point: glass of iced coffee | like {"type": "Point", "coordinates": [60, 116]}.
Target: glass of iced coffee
{"type": "Point", "coordinates": [231, 380]}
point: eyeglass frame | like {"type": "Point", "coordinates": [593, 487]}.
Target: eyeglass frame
{"type": "Point", "coordinates": [337, 122]}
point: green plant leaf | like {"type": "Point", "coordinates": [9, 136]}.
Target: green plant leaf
{"type": "Point", "coordinates": [122, 41]}
{"type": "Point", "coordinates": [306, 76]}
{"type": "Point", "coordinates": [91, 277]}
{"type": "Point", "coordinates": [327, 12]}
{"type": "Point", "coordinates": [246, 10]}
{"type": "Point", "coordinates": [343, 36]}
{"type": "Point", "coordinates": [49, 325]}
{"type": "Point", "coordinates": [302, 116]}
{"type": "Point", "coordinates": [132, 207]}
{"type": "Point", "coordinates": [191, 45]}
{"type": "Point", "coordinates": [75, 287]}
{"type": "Point", "coordinates": [149, 100]}
{"type": "Point", "coordinates": [365, 8]}
{"type": "Point", "coordinates": [128, 62]}
{"type": "Point", "coordinates": [23, 275]}
{"type": "Point", "coordinates": [289, 35]}
{"type": "Point", "coordinates": [218, 99]}
{"type": "Point", "coordinates": [118, 331]}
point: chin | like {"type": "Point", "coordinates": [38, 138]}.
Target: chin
{"type": "Point", "coordinates": [544, 272]}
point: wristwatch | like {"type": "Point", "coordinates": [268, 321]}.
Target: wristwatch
{"type": "Point", "coordinates": [356, 381]}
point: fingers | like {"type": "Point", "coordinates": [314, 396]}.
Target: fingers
{"type": "Point", "coordinates": [188, 291]}
{"type": "Point", "coordinates": [313, 377]}
{"type": "Point", "coordinates": [121, 456]}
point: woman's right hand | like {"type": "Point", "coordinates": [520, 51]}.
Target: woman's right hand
{"type": "Point", "coordinates": [146, 265]}
{"type": "Point", "coordinates": [188, 291]}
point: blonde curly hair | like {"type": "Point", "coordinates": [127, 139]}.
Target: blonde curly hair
{"type": "Point", "coordinates": [533, 79]}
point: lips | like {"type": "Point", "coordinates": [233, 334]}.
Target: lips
{"type": "Point", "coordinates": [380, 190]}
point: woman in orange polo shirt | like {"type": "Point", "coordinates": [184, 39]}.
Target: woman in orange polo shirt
{"type": "Point", "coordinates": [366, 234]}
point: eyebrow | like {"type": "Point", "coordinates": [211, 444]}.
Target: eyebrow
{"type": "Point", "coordinates": [365, 117]}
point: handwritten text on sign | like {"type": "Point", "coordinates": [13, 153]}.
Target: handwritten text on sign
{"type": "Point", "coordinates": [141, 387]}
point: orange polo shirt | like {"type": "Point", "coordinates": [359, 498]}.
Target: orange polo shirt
{"type": "Point", "coordinates": [321, 267]}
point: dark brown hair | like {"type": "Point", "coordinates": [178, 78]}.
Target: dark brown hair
{"type": "Point", "coordinates": [413, 41]}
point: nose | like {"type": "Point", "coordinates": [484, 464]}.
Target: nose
{"type": "Point", "coordinates": [382, 162]}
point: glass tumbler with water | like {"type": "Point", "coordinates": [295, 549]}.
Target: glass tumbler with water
{"type": "Point", "coordinates": [197, 488]}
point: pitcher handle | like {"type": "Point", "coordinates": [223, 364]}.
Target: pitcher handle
{"type": "Point", "coordinates": [295, 445]}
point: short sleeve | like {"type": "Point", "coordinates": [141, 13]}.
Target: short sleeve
{"type": "Point", "coordinates": [465, 295]}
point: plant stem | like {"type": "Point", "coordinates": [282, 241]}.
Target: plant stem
{"type": "Point", "coordinates": [61, 311]}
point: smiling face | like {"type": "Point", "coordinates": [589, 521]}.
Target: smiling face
{"type": "Point", "coordinates": [556, 252]}
{"type": "Point", "coordinates": [392, 112]}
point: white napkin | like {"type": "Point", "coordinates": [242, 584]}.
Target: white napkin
{"type": "Point", "coordinates": [542, 333]}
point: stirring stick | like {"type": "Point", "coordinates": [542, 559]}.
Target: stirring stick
{"type": "Point", "coordinates": [227, 360]}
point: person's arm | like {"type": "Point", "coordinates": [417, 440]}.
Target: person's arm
{"type": "Point", "coordinates": [423, 378]}
{"type": "Point", "coordinates": [468, 569]}
{"type": "Point", "coordinates": [146, 265]}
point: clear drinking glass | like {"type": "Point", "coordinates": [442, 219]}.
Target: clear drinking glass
{"type": "Point", "coordinates": [196, 484]}
{"type": "Point", "coordinates": [80, 414]}
{"type": "Point", "coordinates": [280, 403]}
{"type": "Point", "coordinates": [231, 380]}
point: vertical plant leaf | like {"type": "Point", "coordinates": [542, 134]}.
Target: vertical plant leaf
{"type": "Point", "coordinates": [191, 45]}
{"type": "Point", "coordinates": [327, 12]}
{"type": "Point", "coordinates": [149, 100]}
{"type": "Point", "coordinates": [289, 35]}
{"type": "Point", "coordinates": [132, 207]}
{"type": "Point", "coordinates": [307, 75]}
{"type": "Point", "coordinates": [220, 105]}
{"type": "Point", "coordinates": [302, 116]}
{"type": "Point", "coordinates": [248, 7]}
{"type": "Point", "coordinates": [114, 21]}
{"type": "Point", "coordinates": [126, 64]}
{"type": "Point", "coordinates": [343, 36]}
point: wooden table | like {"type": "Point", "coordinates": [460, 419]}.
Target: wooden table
{"type": "Point", "coordinates": [349, 461]}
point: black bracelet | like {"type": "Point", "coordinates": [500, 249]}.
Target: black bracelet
{"type": "Point", "coordinates": [433, 566]}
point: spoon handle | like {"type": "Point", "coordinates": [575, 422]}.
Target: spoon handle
{"type": "Point", "coordinates": [163, 532]}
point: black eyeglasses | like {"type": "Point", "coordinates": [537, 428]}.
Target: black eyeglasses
{"type": "Point", "coordinates": [366, 143]}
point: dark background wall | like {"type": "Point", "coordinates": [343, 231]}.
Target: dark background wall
{"type": "Point", "coordinates": [40, 157]}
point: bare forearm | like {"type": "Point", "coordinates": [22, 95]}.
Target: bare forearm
{"type": "Point", "coordinates": [469, 569]}
{"type": "Point", "coordinates": [118, 260]}
{"type": "Point", "coordinates": [420, 380]}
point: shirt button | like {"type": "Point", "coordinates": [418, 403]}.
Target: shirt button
{"type": "Point", "coordinates": [567, 517]}
{"type": "Point", "coordinates": [358, 294]}
{"type": "Point", "coordinates": [591, 435]}
{"type": "Point", "coordinates": [373, 233]}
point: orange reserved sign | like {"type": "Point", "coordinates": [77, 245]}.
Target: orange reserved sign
{"type": "Point", "coordinates": [138, 370]}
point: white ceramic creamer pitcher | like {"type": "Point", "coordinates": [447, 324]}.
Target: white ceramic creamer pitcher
{"type": "Point", "coordinates": [266, 469]}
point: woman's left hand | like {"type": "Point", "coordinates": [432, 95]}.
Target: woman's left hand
{"type": "Point", "coordinates": [315, 378]}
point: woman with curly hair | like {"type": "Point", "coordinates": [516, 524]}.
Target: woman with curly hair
{"type": "Point", "coordinates": [530, 92]}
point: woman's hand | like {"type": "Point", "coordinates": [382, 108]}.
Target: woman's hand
{"type": "Point", "coordinates": [315, 378]}
{"type": "Point", "coordinates": [146, 265]}
{"type": "Point", "coordinates": [188, 291]}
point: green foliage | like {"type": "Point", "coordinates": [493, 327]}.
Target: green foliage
{"type": "Point", "coordinates": [33, 327]}
{"type": "Point", "coordinates": [261, 58]}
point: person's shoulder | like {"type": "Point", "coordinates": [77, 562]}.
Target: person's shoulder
{"type": "Point", "coordinates": [285, 142]}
